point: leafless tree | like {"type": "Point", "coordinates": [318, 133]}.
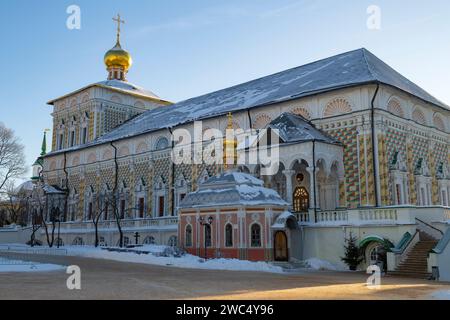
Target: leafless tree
{"type": "Point", "coordinates": [46, 207]}
{"type": "Point", "coordinates": [37, 213]}
{"type": "Point", "coordinates": [12, 159]}
{"type": "Point", "coordinates": [102, 208]}
{"type": "Point", "coordinates": [18, 204]}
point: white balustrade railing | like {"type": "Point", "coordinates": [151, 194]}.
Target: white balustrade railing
{"type": "Point", "coordinates": [447, 214]}
{"type": "Point", "coordinates": [378, 215]}
{"type": "Point", "coordinates": [303, 217]}
{"type": "Point", "coordinates": [126, 223]}
{"type": "Point", "coordinates": [334, 216]}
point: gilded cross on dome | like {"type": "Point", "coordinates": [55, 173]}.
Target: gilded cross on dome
{"type": "Point", "coordinates": [119, 21]}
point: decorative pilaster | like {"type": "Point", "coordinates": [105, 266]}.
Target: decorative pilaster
{"type": "Point", "coordinates": [342, 195]}
{"type": "Point", "coordinates": [313, 192]}
{"type": "Point", "coordinates": [434, 182]}
{"type": "Point", "coordinates": [383, 169]}
{"type": "Point", "coordinates": [411, 178]}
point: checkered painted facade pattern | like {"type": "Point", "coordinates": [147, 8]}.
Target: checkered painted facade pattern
{"type": "Point", "coordinates": [348, 137]}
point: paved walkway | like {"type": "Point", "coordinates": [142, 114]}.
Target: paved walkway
{"type": "Point", "coordinates": [103, 279]}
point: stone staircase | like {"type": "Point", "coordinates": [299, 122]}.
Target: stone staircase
{"type": "Point", "coordinates": [415, 265]}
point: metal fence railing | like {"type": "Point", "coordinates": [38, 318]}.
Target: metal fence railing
{"type": "Point", "coordinates": [19, 255]}
{"type": "Point", "coordinates": [11, 260]}
{"type": "Point", "coordinates": [5, 249]}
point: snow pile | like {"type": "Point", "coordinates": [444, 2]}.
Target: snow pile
{"type": "Point", "coordinates": [441, 295]}
{"type": "Point", "coordinates": [9, 266]}
{"type": "Point", "coordinates": [156, 258]}
{"type": "Point", "coordinates": [318, 264]}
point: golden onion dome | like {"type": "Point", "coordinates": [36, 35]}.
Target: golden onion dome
{"type": "Point", "coordinates": [118, 58]}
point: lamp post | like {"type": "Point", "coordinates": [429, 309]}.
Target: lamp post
{"type": "Point", "coordinates": [205, 223]}
{"type": "Point", "coordinates": [58, 242]}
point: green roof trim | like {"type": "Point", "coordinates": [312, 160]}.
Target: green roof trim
{"type": "Point", "coordinates": [387, 243]}
{"type": "Point", "coordinates": [400, 247]}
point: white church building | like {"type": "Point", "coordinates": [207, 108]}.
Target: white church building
{"type": "Point", "coordinates": [363, 151]}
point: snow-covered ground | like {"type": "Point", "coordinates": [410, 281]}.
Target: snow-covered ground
{"type": "Point", "coordinates": [441, 295]}
{"type": "Point", "coordinates": [318, 264]}
{"type": "Point", "coordinates": [185, 261]}
{"type": "Point", "coordinates": [155, 256]}
{"type": "Point", "coordinates": [22, 266]}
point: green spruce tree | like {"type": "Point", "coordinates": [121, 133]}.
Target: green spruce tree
{"type": "Point", "coordinates": [353, 256]}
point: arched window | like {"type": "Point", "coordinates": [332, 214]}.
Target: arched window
{"type": "Point", "coordinates": [188, 235]}
{"type": "Point", "coordinates": [229, 235]}
{"type": "Point", "coordinates": [207, 236]}
{"type": "Point", "coordinates": [162, 144]}
{"type": "Point", "coordinates": [173, 241]}
{"type": "Point", "coordinates": [78, 241]}
{"type": "Point", "coordinates": [301, 200]}
{"type": "Point", "coordinates": [149, 240]}
{"type": "Point", "coordinates": [102, 242]}
{"type": "Point", "coordinates": [255, 235]}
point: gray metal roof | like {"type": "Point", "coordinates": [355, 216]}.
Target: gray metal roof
{"type": "Point", "coordinates": [344, 70]}
{"type": "Point", "coordinates": [232, 187]}
{"type": "Point", "coordinates": [119, 86]}
{"type": "Point", "coordinates": [295, 128]}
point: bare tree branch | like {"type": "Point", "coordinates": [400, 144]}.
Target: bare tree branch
{"type": "Point", "coordinates": [12, 159]}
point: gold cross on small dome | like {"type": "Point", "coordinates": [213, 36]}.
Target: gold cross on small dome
{"type": "Point", "coordinates": [119, 21]}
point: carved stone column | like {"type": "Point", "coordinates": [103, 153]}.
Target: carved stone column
{"type": "Point", "coordinates": [289, 191]}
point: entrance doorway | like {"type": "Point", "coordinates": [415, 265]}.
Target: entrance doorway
{"type": "Point", "coordinates": [301, 200]}
{"type": "Point", "coordinates": [281, 246]}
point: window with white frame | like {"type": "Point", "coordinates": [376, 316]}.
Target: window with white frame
{"type": "Point", "coordinates": [207, 236]}
{"type": "Point", "coordinates": [423, 182]}
{"type": "Point", "coordinates": [60, 144]}
{"type": "Point", "coordinates": [89, 203]}
{"type": "Point", "coordinates": [123, 201]}
{"type": "Point", "coordinates": [228, 235]}
{"type": "Point", "coordinates": [188, 236]}
{"type": "Point", "coordinates": [84, 135]}
{"type": "Point", "coordinates": [399, 179]}
{"type": "Point", "coordinates": [72, 138]}
{"type": "Point", "coordinates": [255, 235]}
{"type": "Point", "coordinates": [141, 199]}
{"type": "Point", "coordinates": [181, 190]}
{"type": "Point", "coordinates": [73, 204]}
{"type": "Point", "coordinates": [160, 194]}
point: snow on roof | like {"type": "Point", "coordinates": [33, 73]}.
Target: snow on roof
{"type": "Point", "coordinates": [233, 178]}
{"type": "Point", "coordinates": [48, 189]}
{"type": "Point", "coordinates": [232, 188]}
{"type": "Point", "coordinates": [127, 87]}
{"type": "Point", "coordinates": [282, 219]}
{"type": "Point", "coordinates": [295, 128]}
{"type": "Point", "coordinates": [341, 71]}
{"type": "Point", "coordinates": [119, 86]}
{"type": "Point", "coordinates": [25, 187]}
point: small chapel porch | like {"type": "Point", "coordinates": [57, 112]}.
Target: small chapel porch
{"type": "Point", "coordinates": [310, 169]}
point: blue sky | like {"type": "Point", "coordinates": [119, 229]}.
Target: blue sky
{"type": "Point", "coordinates": [186, 48]}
